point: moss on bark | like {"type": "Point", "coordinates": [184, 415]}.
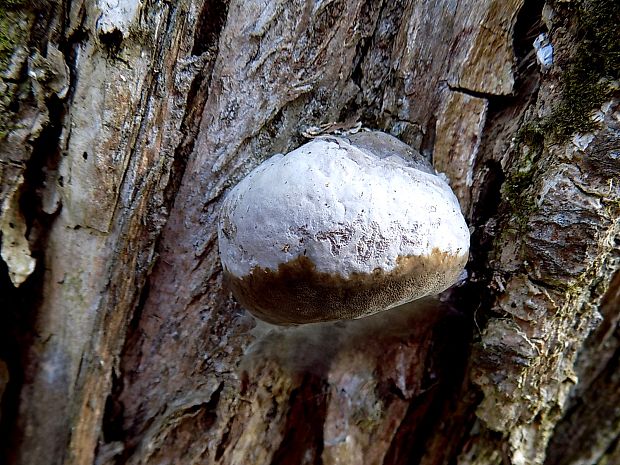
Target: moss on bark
{"type": "Point", "coordinates": [588, 80]}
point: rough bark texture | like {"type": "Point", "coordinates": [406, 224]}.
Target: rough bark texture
{"type": "Point", "coordinates": [124, 123]}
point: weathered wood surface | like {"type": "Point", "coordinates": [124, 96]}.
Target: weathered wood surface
{"type": "Point", "coordinates": [128, 123]}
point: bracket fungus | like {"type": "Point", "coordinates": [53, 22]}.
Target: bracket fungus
{"type": "Point", "coordinates": [340, 228]}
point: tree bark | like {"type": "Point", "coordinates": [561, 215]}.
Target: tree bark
{"type": "Point", "coordinates": [123, 125]}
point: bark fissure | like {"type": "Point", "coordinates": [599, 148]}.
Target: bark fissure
{"type": "Point", "coordinates": [473, 93]}
{"type": "Point", "coordinates": [305, 420]}
{"type": "Point", "coordinates": [197, 97]}
{"type": "Point", "coordinates": [39, 180]}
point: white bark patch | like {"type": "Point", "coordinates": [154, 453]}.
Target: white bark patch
{"type": "Point", "coordinates": [582, 141]}
{"type": "Point", "coordinates": [544, 51]}
{"type": "Point", "coordinates": [116, 15]}
{"type": "Point", "coordinates": [15, 249]}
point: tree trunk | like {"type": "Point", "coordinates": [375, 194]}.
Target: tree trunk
{"type": "Point", "coordinates": [124, 123]}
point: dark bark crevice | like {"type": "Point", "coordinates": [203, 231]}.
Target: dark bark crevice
{"type": "Point", "coordinates": [16, 336]}
{"type": "Point", "coordinates": [304, 424]}
{"type": "Point", "coordinates": [477, 94]}
{"type": "Point", "coordinates": [363, 47]}
{"type": "Point", "coordinates": [206, 44]}
{"type": "Point", "coordinates": [20, 305]}
{"type": "Point", "coordinates": [211, 21]}
{"type": "Point", "coordinates": [437, 412]}
{"type": "Point", "coordinates": [380, 44]}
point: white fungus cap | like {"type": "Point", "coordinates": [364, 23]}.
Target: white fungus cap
{"type": "Point", "coordinates": [337, 213]}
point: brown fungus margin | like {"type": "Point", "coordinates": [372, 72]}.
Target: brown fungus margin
{"type": "Point", "coordinates": [297, 293]}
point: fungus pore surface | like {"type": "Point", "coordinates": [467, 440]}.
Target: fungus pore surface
{"type": "Point", "coordinates": [340, 228]}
